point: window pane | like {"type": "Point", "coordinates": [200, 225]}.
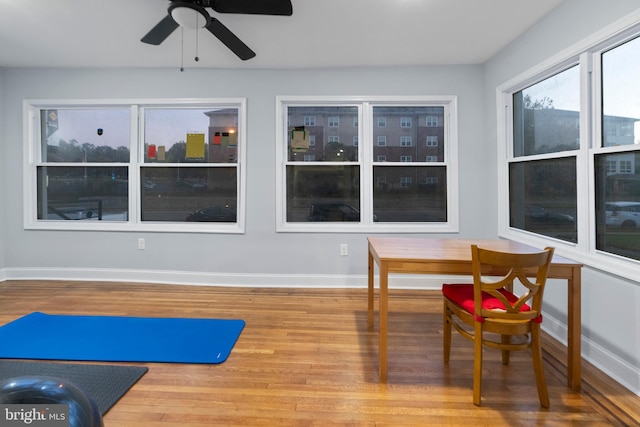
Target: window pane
{"type": "Point", "coordinates": [546, 116]}
{"type": "Point", "coordinates": [618, 204]}
{"type": "Point", "coordinates": [331, 129]}
{"type": "Point", "coordinates": [85, 136]}
{"type": "Point", "coordinates": [189, 194]}
{"type": "Point", "coordinates": [409, 134]}
{"type": "Point", "coordinates": [321, 193]}
{"type": "Point", "coordinates": [410, 194]}
{"type": "Point", "coordinates": [620, 94]}
{"type": "Point", "coordinates": [185, 135]}
{"type": "Point", "coordinates": [83, 193]}
{"type": "Point", "coordinates": [542, 197]}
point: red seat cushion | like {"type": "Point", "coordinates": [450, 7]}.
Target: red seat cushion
{"type": "Point", "coordinates": [462, 294]}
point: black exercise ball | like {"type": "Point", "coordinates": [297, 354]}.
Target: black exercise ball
{"type": "Point", "coordinates": [83, 411]}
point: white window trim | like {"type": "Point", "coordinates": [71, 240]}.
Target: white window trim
{"type": "Point", "coordinates": [31, 152]}
{"type": "Point", "coordinates": [365, 151]}
{"type": "Point", "coordinates": [585, 250]}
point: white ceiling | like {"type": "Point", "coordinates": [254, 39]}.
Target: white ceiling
{"type": "Point", "coordinates": [321, 33]}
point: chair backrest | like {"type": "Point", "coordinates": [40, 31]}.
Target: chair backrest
{"type": "Point", "coordinates": [494, 271]}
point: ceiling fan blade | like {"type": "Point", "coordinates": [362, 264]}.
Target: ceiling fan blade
{"type": "Point", "coordinates": [253, 7]}
{"type": "Point", "coordinates": [161, 31]}
{"type": "Point", "coordinates": [230, 40]}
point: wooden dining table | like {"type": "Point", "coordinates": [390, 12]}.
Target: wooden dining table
{"type": "Point", "coordinates": [445, 256]}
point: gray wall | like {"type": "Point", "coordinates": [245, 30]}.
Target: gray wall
{"type": "Point", "coordinates": [261, 251]}
{"type": "Point", "coordinates": [263, 257]}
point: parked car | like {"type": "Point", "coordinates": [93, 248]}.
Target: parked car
{"type": "Point", "coordinates": [72, 213]}
{"type": "Point", "coordinates": [542, 216]}
{"type": "Point", "coordinates": [333, 211]}
{"type": "Point", "coordinates": [624, 215]}
{"type": "Point", "coordinates": [213, 214]}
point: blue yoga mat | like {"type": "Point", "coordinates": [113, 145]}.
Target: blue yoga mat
{"type": "Point", "coordinates": [119, 339]}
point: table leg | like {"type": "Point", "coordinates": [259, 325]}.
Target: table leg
{"type": "Point", "coordinates": [574, 334]}
{"type": "Point", "coordinates": [370, 293]}
{"type": "Point", "coordinates": [383, 308]}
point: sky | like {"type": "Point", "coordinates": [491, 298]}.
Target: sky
{"type": "Point", "coordinates": [163, 126]}
{"type": "Point", "coordinates": [620, 71]}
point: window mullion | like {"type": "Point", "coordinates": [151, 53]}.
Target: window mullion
{"type": "Point", "coordinates": [135, 158]}
{"type": "Point", "coordinates": [366, 159]}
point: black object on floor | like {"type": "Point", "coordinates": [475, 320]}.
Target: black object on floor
{"type": "Point", "coordinates": [105, 384]}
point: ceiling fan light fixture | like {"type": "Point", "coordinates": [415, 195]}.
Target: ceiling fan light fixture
{"type": "Point", "coordinates": [189, 15]}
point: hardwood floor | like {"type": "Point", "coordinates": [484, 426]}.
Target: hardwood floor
{"type": "Point", "coordinates": [306, 358]}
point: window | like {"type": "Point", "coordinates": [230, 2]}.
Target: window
{"type": "Point", "coordinates": [431, 180]}
{"type": "Point", "coordinates": [432, 121]}
{"type": "Point", "coordinates": [576, 187]}
{"type": "Point", "coordinates": [334, 121]}
{"type": "Point", "coordinates": [406, 141]}
{"type": "Point", "coordinates": [542, 171]}
{"type": "Point", "coordinates": [379, 184]}
{"type": "Point", "coordinates": [432, 140]}
{"type": "Point", "coordinates": [136, 166]}
{"type": "Point", "coordinates": [406, 181]}
{"type": "Point", "coordinates": [617, 193]}
{"type": "Point", "coordinates": [382, 122]}
{"type": "Point", "coordinates": [627, 166]}
{"type": "Point", "coordinates": [405, 122]}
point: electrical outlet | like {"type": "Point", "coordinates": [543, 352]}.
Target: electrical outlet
{"type": "Point", "coordinates": [344, 249]}
{"type": "Point", "coordinates": [141, 244]}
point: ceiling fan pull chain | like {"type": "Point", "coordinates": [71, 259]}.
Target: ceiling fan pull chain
{"type": "Point", "coordinates": [196, 58]}
{"type": "Point", "coordinates": [197, 32]}
{"type": "Point", "coordinates": [182, 49]}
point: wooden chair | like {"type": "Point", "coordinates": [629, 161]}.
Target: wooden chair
{"type": "Point", "coordinates": [494, 313]}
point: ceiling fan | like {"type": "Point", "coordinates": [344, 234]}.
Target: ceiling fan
{"type": "Point", "coordinates": [193, 14]}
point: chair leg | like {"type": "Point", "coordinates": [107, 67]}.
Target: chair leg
{"type": "Point", "coordinates": [506, 339]}
{"type": "Point", "coordinates": [538, 369]}
{"type": "Point", "coordinates": [477, 363]}
{"type": "Point", "coordinates": [446, 345]}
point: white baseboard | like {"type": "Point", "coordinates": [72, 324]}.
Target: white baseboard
{"type": "Point", "coordinates": [403, 281]}
{"type": "Point", "coordinates": [608, 362]}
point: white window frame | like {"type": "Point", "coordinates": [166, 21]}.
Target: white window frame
{"type": "Point", "coordinates": [585, 54]}
{"type": "Point", "coordinates": [32, 159]}
{"type": "Point", "coordinates": [366, 162]}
